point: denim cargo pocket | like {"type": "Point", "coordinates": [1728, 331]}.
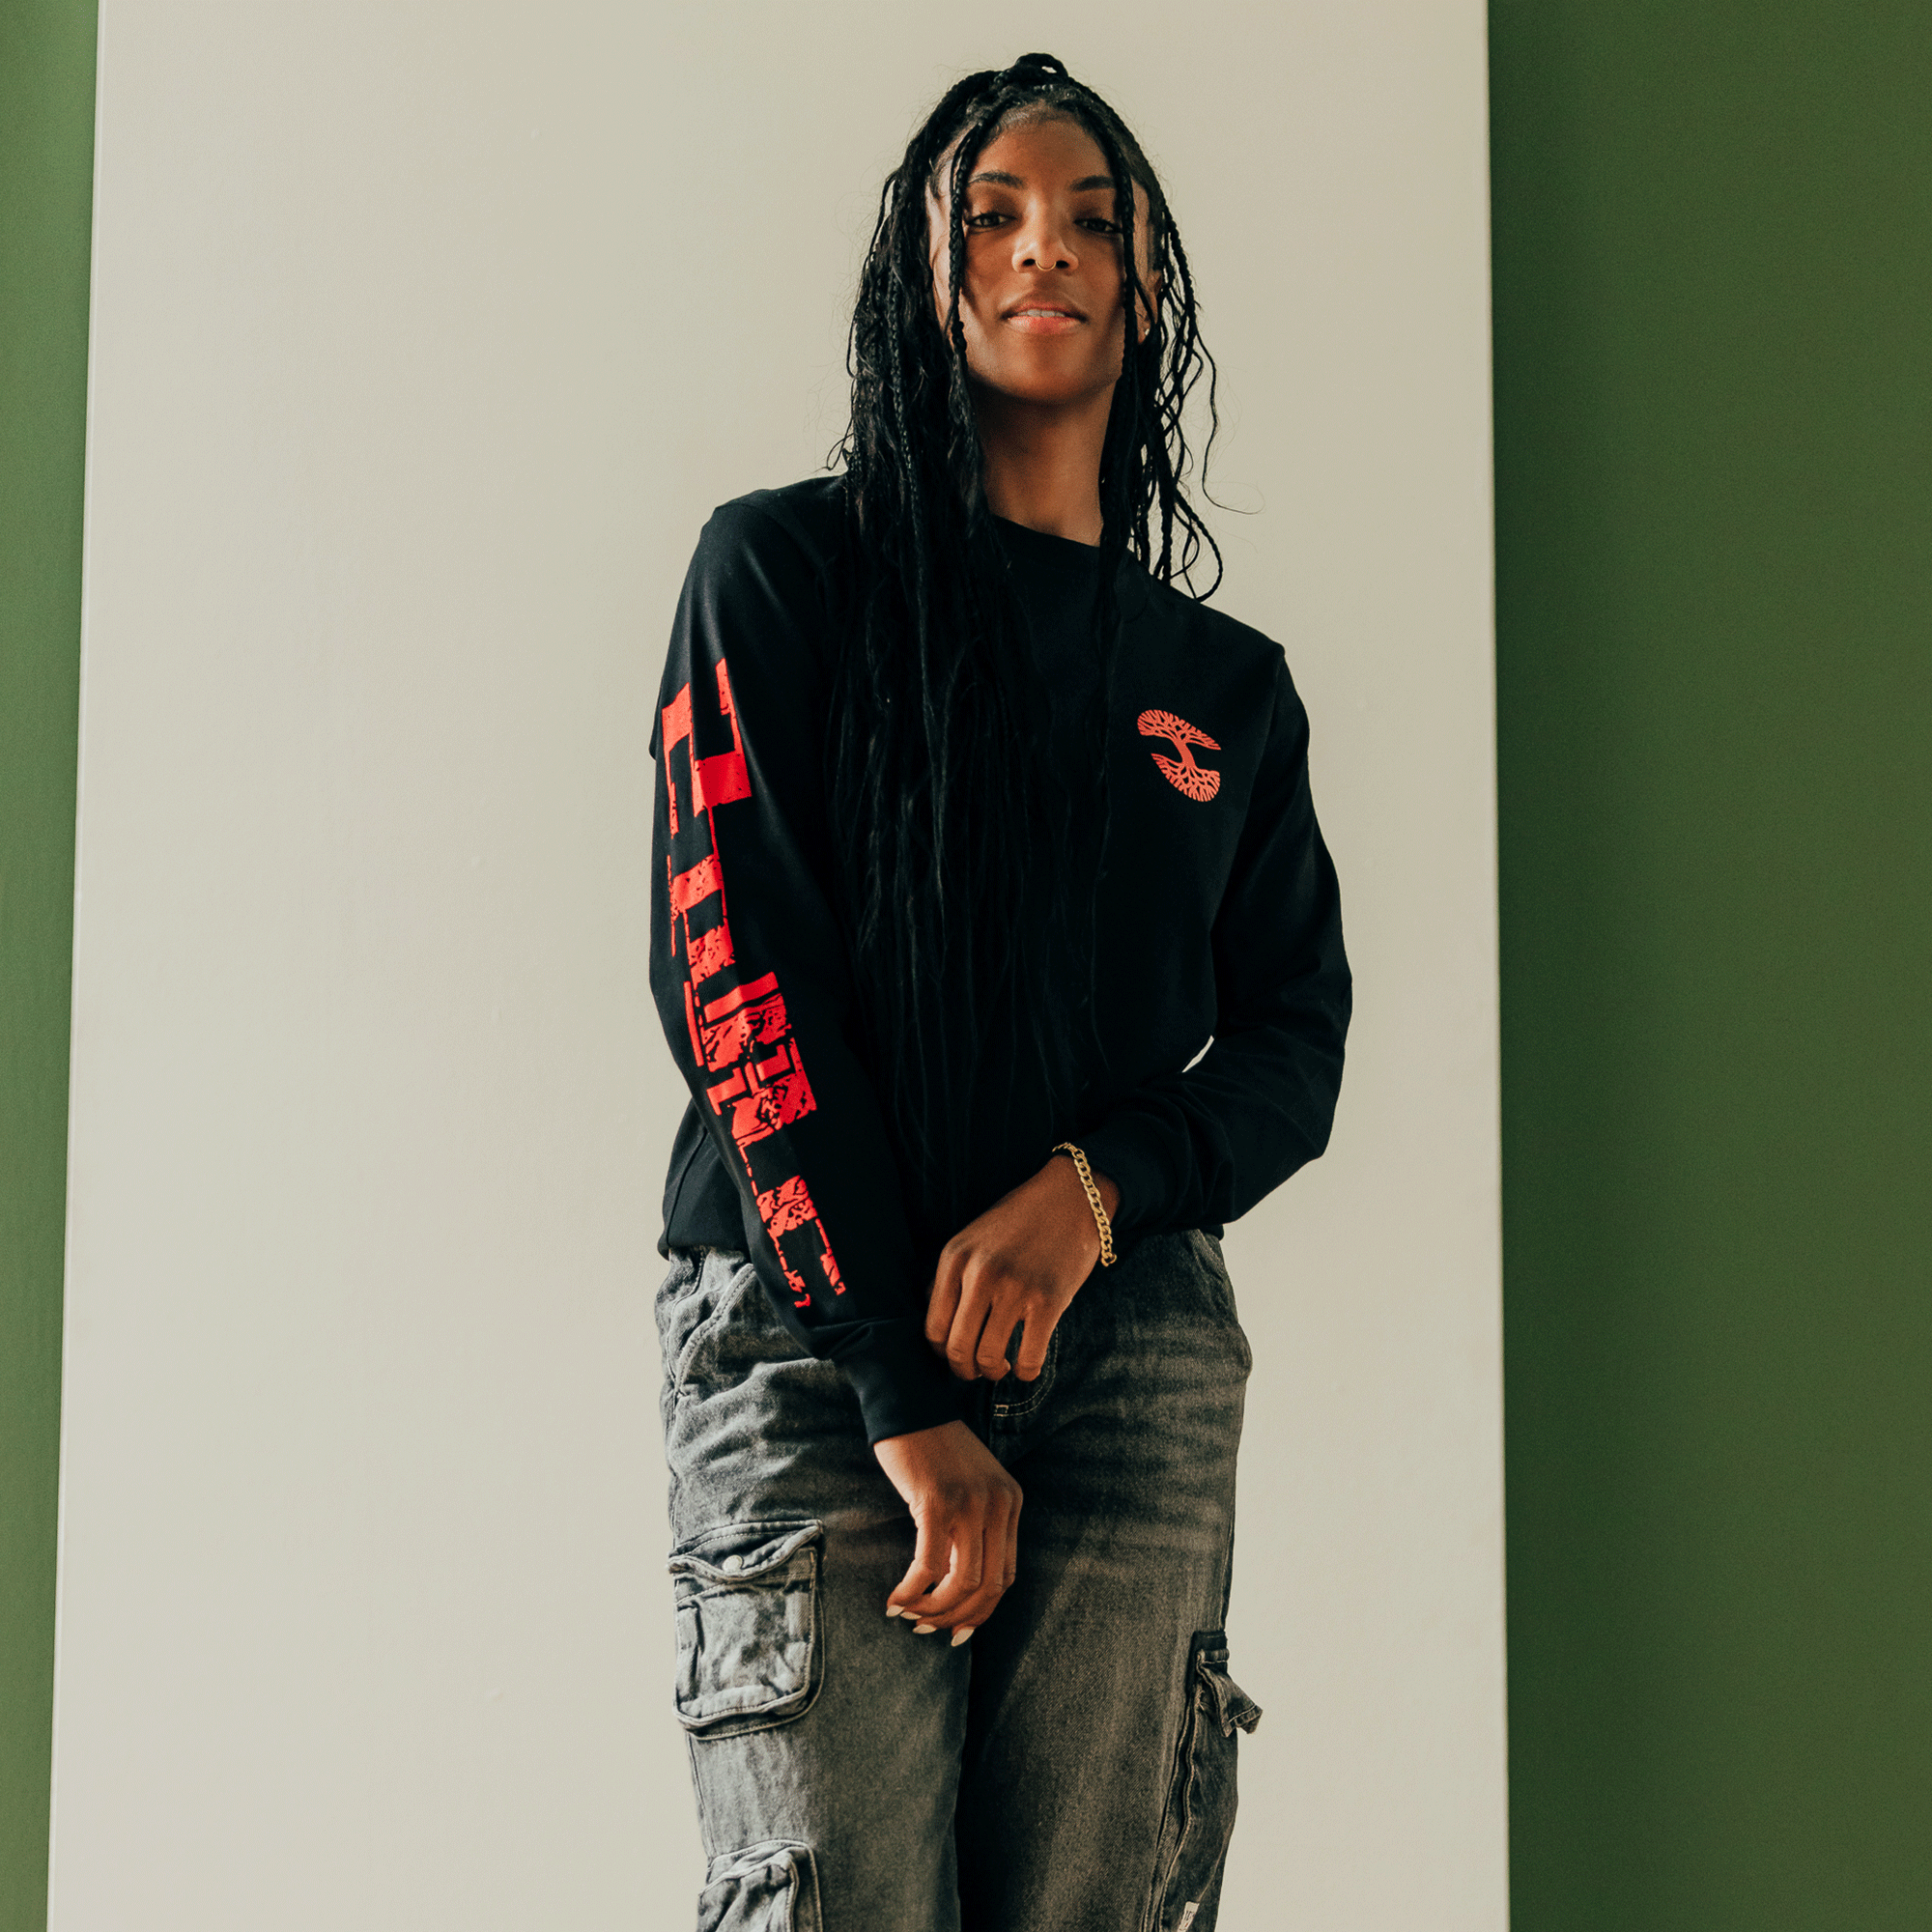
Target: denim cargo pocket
{"type": "Point", "coordinates": [750, 1655]}
{"type": "Point", "coordinates": [1200, 1815]}
{"type": "Point", "coordinates": [767, 1888]}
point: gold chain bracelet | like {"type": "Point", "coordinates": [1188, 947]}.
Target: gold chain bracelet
{"type": "Point", "coordinates": [1093, 1201]}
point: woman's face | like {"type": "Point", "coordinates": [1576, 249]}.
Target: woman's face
{"type": "Point", "coordinates": [1039, 300]}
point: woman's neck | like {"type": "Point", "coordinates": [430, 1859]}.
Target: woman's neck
{"type": "Point", "coordinates": [1042, 461]}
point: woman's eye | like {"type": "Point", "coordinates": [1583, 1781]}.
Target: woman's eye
{"type": "Point", "coordinates": [1100, 224]}
{"type": "Point", "coordinates": [985, 220]}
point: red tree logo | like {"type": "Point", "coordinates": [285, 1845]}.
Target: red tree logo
{"type": "Point", "coordinates": [1191, 780]}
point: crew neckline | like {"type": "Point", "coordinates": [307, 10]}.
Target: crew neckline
{"type": "Point", "coordinates": [1067, 552]}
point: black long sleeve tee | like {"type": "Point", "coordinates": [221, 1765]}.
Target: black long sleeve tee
{"type": "Point", "coordinates": [1218, 917]}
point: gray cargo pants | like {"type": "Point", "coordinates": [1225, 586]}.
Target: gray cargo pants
{"type": "Point", "coordinates": [1071, 1769]}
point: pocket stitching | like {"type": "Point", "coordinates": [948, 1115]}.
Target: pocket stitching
{"type": "Point", "coordinates": [1037, 1391]}
{"type": "Point", "coordinates": [1182, 1785]}
{"type": "Point", "coordinates": [712, 1322]}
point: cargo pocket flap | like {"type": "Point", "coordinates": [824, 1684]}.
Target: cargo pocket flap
{"type": "Point", "coordinates": [736, 1553]}
{"type": "Point", "coordinates": [748, 1650]}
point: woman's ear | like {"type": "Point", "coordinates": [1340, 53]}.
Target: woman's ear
{"type": "Point", "coordinates": [1151, 284]}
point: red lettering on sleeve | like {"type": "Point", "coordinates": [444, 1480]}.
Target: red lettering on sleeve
{"type": "Point", "coordinates": [741, 1032]}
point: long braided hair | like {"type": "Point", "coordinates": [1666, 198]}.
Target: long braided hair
{"type": "Point", "coordinates": [969, 863]}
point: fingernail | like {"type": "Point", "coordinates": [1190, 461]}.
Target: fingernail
{"type": "Point", "coordinates": [960, 1635]}
{"type": "Point", "coordinates": [894, 1611]}
{"type": "Point", "coordinates": [923, 1629]}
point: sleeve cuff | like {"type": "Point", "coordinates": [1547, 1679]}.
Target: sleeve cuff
{"type": "Point", "coordinates": [900, 1384]}
{"type": "Point", "coordinates": [1113, 1150]}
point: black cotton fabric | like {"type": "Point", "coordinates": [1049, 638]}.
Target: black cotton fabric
{"type": "Point", "coordinates": [1218, 919]}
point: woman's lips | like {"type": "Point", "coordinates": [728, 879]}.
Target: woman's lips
{"type": "Point", "coordinates": [1043, 320]}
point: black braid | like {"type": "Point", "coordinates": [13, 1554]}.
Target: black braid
{"type": "Point", "coordinates": [962, 913]}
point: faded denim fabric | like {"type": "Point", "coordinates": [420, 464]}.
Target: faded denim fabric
{"type": "Point", "coordinates": [1071, 1769]}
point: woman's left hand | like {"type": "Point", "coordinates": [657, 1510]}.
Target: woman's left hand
{"type": "Point", "coordinates": [1021, 1262]}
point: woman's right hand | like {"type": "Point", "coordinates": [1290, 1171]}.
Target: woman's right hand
{"type": "Point", "coordinates": [966, 1510]}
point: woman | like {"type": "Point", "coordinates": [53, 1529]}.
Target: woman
{"type": "Point", "coordinates": [973, 829]}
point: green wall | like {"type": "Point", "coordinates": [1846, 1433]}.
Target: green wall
{"type": "Point", "coordinates": [46, 173]}
{"type": "Point", "coordinates": [1714, 446]}
{"type": "Point", "coordinates": [1713, 279]}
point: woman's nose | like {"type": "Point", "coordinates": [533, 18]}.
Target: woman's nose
{"type": "Point", "coordinates": [1042, 242]}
